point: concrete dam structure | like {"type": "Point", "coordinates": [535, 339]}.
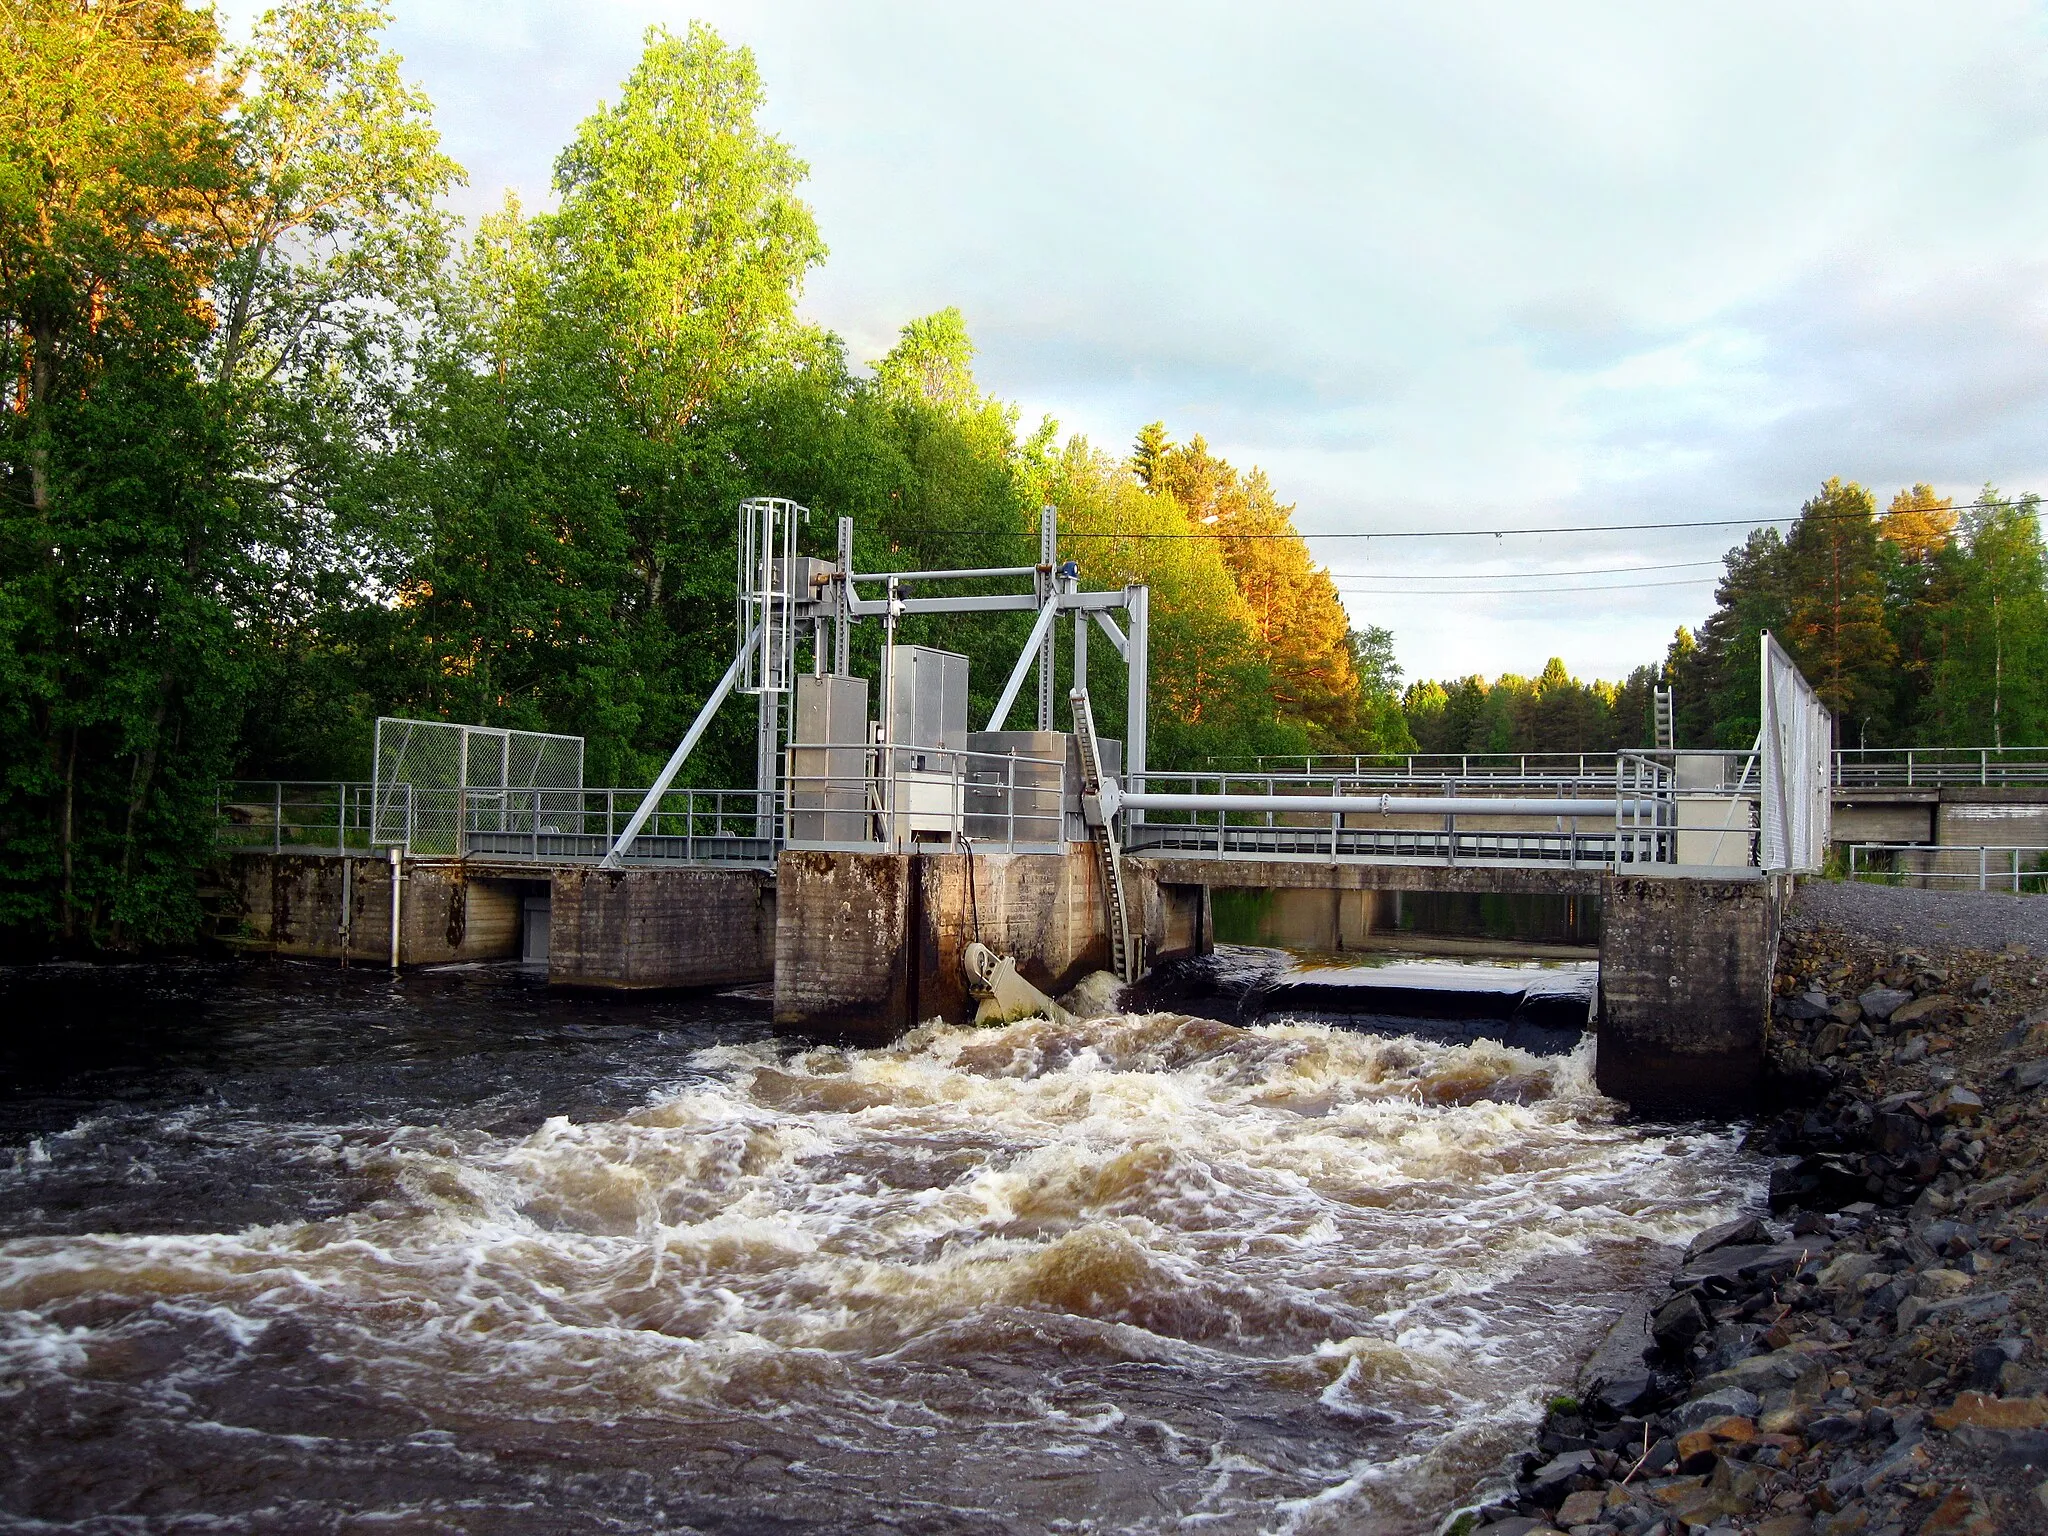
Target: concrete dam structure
{"type": "Point", "coordinates": [881, 840]}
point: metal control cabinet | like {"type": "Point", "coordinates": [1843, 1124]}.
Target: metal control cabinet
{"type": "Point", "coordinates": [928, 698]}
{"type": "Point", "coordinates": [829, 760]}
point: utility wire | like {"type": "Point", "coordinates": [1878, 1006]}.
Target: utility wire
{"type": "Point", "coordinates": [1598, 570]}
{"type": "Point", "coordinates": [1632, 586]}
{"type": "Point", "coordinates": [1471, 533]}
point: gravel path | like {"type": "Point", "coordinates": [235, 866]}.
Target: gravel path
{"type": "Point", "coordinates": [1925, 920]}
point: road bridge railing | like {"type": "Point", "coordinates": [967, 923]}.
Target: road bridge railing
{"type": "Point", "coordinates": [2021, 870]}
{"type": "Point", "coordinates": [1937, 767]}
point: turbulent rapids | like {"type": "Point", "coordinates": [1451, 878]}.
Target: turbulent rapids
{"type": "Point", "coordinates": [1137, 1273]}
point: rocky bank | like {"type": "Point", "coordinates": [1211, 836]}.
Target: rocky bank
{"type": "Point", "coordinates": [1867, 1356]}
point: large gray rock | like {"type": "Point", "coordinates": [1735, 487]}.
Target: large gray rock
{"type": "Point", "coordinates": [1802, 1372]}
{"type": "Point", "coordinates": [1744, 1229]}
{"type": "Point", "coordinates": [1881, 1003]}
{"type": "Point", "coordinates": [1678, 1322]}
{"type": "Point", "coordinates": [1745, 1262]}
{"type": "Point", "coordinates": [1719, 1403]}
{"type": "Point", "coordinates": [1548, 1481]}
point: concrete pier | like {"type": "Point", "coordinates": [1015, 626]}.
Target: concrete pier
{"type": "Point", "coordinates": [1685, 991]}
{"type": "Point", "coordinates": [633, 929]}
{"type": "Point", "coordinates": [870, 944]}
{"type": "Point", "coordinates": [646, 929]}
{"type": "Point", "coordinates": [320, 906]}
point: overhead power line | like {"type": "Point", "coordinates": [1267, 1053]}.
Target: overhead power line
{"type": "Point", "coordinates": [1631, 586]}
{"type": "Point", "coordinates": [1597, 570]}
{"type": "Point", "coordinates": [1476, 533]}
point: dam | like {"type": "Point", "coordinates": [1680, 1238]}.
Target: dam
{"type": "Point", "coordinates": [883, 835]}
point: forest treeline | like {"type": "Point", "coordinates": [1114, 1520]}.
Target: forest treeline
{"type": "Point", "coordinates": [283, 451]}
{"type": "Point", "coordinates": [285, 448]}
{"type": "Point", "coordinates": [1925, 624]}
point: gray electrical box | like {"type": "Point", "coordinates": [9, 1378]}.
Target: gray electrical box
{"type": "Point", "coordinates": [829, 760]}
{"type": "Point", "coordinates": [928, 699]}
{"type": "Point", "coordinates": [804, 578]}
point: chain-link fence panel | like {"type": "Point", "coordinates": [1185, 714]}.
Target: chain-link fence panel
{"type": "Point", "coordinates": [435, 778]}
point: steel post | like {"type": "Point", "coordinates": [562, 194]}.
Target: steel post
{"type": "Point", "coordinates": [1047, 583]}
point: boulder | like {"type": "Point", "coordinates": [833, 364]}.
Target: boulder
{"type": "Point", "coordinates": [1925, 1006]}
{"type": "Point", "coordinates": [1798, 1370]}
{"type": "Point", "coordinates": [1744, 1262]}
{"type": "Point", "coordinates": [1985, 1412]}
{"type": "Point", "coordinates": [1678, 1322]}
{"type": "Point", "coordinates": [1880, 1003]}
{"type": "Point", "coordinates": [1549, 1481]}
{"type": "Point", "coordinates": [1744, 1229]}
{"type": "Point", "coordinates": [1582, 1508]}
{"type": "Point", "coordinates": [1957, 1103]}
{"type": "Point", "coordinates": [1719, 1402]}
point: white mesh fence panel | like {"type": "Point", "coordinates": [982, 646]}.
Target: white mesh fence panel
{"type": "Point", "coordinates": [1796, 740]}
{"type": "Point", "coordinates": [424, 768]}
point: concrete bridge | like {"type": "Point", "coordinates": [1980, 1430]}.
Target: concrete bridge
{"type": "Point", "coordinates": [878, 843]}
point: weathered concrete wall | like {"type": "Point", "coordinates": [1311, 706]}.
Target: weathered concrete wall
{"type": "Point", "coordinates": [1685, 988]}
{"type": "Point", "coordinates": [291, 904]}
{"type": "Point", "coordinates": [1297, 874]}
{"type": "Point", "coordinates": [1043, 910]}
{"type": "Point", "coordinates": [2006, 822]}
{"type": "Point", "coordinates": [656, 928]}
{"type": "Point", "coordinates": [1883, 818]}
{"type": "Point", "coordinates": [2008, 815]}
{"type": "Point", "coordinates": [868, 945]}
{"type": "Point", "coordinates": [842, 956]}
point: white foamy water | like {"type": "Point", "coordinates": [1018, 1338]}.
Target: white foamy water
{"type": "Point", "coordinates": [1134, 1274]}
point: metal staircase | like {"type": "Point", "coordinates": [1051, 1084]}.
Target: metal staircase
{"type": "Point", "coordinates": [1099, 811]}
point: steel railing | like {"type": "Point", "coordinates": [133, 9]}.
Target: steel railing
{"type": "Point", "coordinates": [1990, 867]}
{"type": "Point", "coordinates": [864, 798]}
{"type": "Point", "coordinates": [295, 816]}
{"type": "Point", "coordinates": [688, 826]}
{"type": "Point", "coordinates": [1850, 768]}
{"type": "Point", "coordinates": [1630, 816]}
{"type": "Point", "coordinates": [1933, 767]}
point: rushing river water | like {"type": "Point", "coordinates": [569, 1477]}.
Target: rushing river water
{"type": "Point", "coordinates": [294, 1249]}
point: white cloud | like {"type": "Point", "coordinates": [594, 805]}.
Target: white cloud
{"type": "Point", "coordinates": [1446, 266]}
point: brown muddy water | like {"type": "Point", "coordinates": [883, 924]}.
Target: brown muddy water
{"type": "Point", "coordinates": [285, 1248]}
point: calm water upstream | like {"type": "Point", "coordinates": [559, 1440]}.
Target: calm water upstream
{"type": "Point", "coordinates": [286, 1248]}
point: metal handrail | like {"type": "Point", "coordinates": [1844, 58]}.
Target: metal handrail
{"type": "Point", "coordinates": [688, 825]}
{"type": "Point", "coordinates": [1989, 866]}
{"type": "Point", "coordinates": [294, 815]}
{"type": "Point", "coordinates": [936, 797]}
{"type": "Point", "coordinates": [1933, 767]}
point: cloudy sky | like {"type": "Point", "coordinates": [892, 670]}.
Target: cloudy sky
{"type": "Point", "coordinates": [1433, 267]}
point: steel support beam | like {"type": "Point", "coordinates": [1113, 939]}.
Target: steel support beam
{"type": "Point", "coordinates": [1023, 668]}
{"type": "Point", "coordinates": [681, 755]}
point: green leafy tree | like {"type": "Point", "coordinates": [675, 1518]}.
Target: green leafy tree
{"type": "Point", "coordinates": [681, 235]}
{"type": "Point", "coordinates": [119, 560]}
{"type": "Point", "coordinates": [1835, 624]}
{"type": "Point", "coordinates": [1990, 684]}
